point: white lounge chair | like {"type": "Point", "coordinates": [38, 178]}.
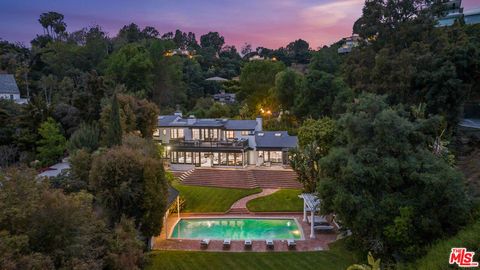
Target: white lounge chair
{"type": "Point", "coordinates": [269, 243]}
{"type": "Point", "coordinates": [317, 219]}
{"type": "Point", "coordinates": [324, 226]}
{"type": "Point", "coordinates": [204, 243]}
{"type": "Point", "coordinates": [248, 243]}
{"type": "Point", "coordinates": [291, 243]}
{"type": "Point", "coordinates": [226, 243]}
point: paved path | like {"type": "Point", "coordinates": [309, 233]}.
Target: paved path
{"type": "Point", "coordinates": [242, 203]}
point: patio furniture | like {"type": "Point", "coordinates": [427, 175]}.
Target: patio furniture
{"type": "Point", "coordinates": [317, 219]}
{"type": "Point", "coordinates": [269, 243]}
{"type": "Point", "coordinates": [226, 243]}
{"type": "Point", "coordinates": [248, 243]}
{"type": "Point", "coordinates": [204, 243]}
{"type": "Point", "coordinates": [323, 226]}
{"type": "Point", "coordinates": [291, 243]}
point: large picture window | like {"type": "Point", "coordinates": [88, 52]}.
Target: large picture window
{"type": "Point", "coordinates": [177, 133]}
{"type": "Point", "coordinates": [196, 134]}
{"type": "Point", "coordinates": [229, 134]}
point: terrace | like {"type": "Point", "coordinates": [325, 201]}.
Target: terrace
{"type": "Point", "coordinates": [205, 145]}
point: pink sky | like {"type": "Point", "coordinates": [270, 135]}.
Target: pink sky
{"type": "Point", "coordinates": [268, 23]}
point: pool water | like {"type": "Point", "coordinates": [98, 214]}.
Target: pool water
{"type": "Point", "coordinates": [236, 228]}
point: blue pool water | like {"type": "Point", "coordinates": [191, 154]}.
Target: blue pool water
{"type": "Point", "coordinates": [236, 228]}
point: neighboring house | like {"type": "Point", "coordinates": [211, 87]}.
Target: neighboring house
{"type": "Point", "coordinates": [221, 142]}
{"type": "Point", "coordinates": [9, 89]}
{"type": "Point", "coordinates": [56, 170]}
{"type": "Point", "coordinates": [217, 79]}
{"type": "Point", "coordinates": [225, 98]}
{"type": "Point", "coordinates": [349, 43]}
{"type": "Point", "coordinates": [454, 11]}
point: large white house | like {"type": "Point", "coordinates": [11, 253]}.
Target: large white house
{"type": "Point", "coordinates": [221, 142]}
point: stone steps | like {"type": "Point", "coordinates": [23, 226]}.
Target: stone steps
{"type": "Point", "coordinates": [241, 178]}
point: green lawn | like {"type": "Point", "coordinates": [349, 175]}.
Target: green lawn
{"type": "Point", "coordinates": [208, 199]}
{"type": "Point", "coordinates": [284, 200]}
{"type": "Point", "coordinates": [336, 258]}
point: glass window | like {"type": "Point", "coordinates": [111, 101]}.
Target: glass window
{"type": "Point", "coordinates": [245, 132]}
{"type": "Point", "coordinates": [229, 134]}
{"type": "Point", "coordinates": [176, 133]}
{"type": "Point", "coordinates": [181, 157]}
{"type": "Point", "coordinates": [188, 157]}
{"type": "Point", "coordinates": [164, 131]}
{"type": "Point", "coordinates": [276, 156]}
{"type": "Point", "coordinates": [195, 134]}
{"type": "Point", "coordinates": [156, 132]}
{"type": "Point", "coordinates": [238, 159]}
{"type": "Point", "coordinates": [231, 159]}
{"type": "Point", "coordinates": [216, 159]}
{"type": "Point", "coordinates": [223, 158]}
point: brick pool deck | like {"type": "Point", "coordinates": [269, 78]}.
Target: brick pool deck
{"type": "Point", "coordinates": [321, 241]}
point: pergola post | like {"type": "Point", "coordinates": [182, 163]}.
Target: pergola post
{"type": "Point", "coordinates": [312, 222]}
{"type": "Point", "coordinates": [304, 211]}
{"type": "Point", "coordinates": [178, 207]}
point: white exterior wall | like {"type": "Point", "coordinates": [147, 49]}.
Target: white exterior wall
{"type": "Point", "coordinates": [9, 96]}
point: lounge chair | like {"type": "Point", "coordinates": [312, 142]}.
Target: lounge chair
{"type": "Point", "coordinates": [269, 243]}
{"type": "Point", "coordinates": [291, 244]}
{"type": "Point", "coordinates": [204, 243]}
{"type": "Point", "coordinates": [248, 243]}
{"type": "Point", "coordinates": [317, 220]}
{"type": "Point", "coordinates": [226, 243]}
{"type": "Point", "coordinates": [323, 226]}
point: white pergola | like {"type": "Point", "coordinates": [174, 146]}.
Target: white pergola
{"type": "Point", "coordinates": [310, 203]}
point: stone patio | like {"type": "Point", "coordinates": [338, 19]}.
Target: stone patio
{"type": "Point", "coordinates": [321, 241]}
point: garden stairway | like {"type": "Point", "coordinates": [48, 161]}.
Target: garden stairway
{"type": "Point", "coordinates": [241, 178]}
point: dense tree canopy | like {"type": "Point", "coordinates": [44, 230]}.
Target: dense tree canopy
{"type": "Point", "coordinates": [383, 176]}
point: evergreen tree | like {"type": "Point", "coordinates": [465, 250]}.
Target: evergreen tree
{"type": "Point", "coordinates": [114, 131]}
{"type": "Point", "coordinates": [52, 143]}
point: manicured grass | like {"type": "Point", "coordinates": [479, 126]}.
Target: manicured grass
{"type": "Point", "coordinates": [208, 199]}
{"type": "Point", "coordinates": [336, 258]}
{"type": "Point", "coordinates": [284, 200]}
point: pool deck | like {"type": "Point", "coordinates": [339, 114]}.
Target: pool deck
{"type": "Point", "coordinates": [321, 241]}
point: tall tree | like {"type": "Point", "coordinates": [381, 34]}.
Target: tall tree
{"type": "Point", "coordinates": [51, 145]}
{"type": "Point", "coordinates": [113, 134]}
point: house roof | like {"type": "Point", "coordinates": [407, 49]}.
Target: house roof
{"type": "Point", "coordinates": [8, 84]}
{"type": "Point", "coordinates": [166, 120]}
{"type": "Point", "coordinates": [241, 124]}
{"type": "Point", "coordinates": [216, 79]}
{"type": "Point", "coordinates": [177, 121]}
{"type": "Point", "coordinates": [275, 139]}
{"type": "Point", "coordinates": [470, 123]}
{"type": "Point", "coordinates": [172, 195]}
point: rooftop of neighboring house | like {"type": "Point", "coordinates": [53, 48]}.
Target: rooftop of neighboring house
{"type": "Point", "coordinates": [178, 121]}
{"type": "Point", "coordinates": [275, 139]}
{"type": "Point", "coordinates": [8, 85]}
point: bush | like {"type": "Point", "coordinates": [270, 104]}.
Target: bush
{"type": "Point", "coordinates": [85, 137]}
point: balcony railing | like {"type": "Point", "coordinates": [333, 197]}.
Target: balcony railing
{"type": "Point", "coordinates": [211, 144]}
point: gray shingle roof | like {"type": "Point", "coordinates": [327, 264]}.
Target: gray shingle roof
{"type": "Point", "coordinates": [176, 121]}
{"type": "Point", "coordinates": [275, 139]}
{"type": "Point", "coordinates": [241, 124]}
{"type": "Point", "coordinates": [8, 84]}
{"type": "Point", "coordinates": [166, 120]}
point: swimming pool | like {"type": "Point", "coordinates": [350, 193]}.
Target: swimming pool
{"type": "Point", "coordinates": [236, 228]}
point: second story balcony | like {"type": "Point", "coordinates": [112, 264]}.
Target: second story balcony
{"type": "Point", "coordinates": [221, 144]}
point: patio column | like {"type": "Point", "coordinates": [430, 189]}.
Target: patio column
{"type": "Point", "coordinates": [165, 222]}
{"type": "Point", "coordinates": [178, 207]}
{"type": "Point", "coordinates": [312, 232]}
{"type": "Point", "coordinates": [304, 210]}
